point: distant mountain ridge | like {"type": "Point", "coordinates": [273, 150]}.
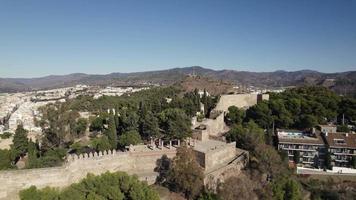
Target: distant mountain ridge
{"type": "Point", "coordinates": [341, 82]}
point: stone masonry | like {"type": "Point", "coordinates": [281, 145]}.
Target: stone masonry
{"type": "Point", "coordinates": [141, 163]}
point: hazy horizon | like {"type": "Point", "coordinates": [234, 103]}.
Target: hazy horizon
{"type": "Point", "coordinates": [211, 68]}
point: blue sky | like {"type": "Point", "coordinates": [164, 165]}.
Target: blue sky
{"type": "Point", "coordinates": [60, 37]}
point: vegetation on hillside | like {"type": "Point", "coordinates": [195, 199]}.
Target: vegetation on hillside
{"type": "Point", "coordinates": [300, 108]}
{"type": "Point", "coordinates": [115, 186]}
{"type": "Point", "coordinates": [116, 122]}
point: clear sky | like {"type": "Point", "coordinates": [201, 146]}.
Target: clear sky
{"type": "Point", "coordinates": [60, 37]}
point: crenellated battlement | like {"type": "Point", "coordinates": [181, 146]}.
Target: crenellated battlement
{"type": "Point", "coordinates": [74, 157]}
{"type": "Point", "coordinates": [139, 159]}
{"type": "Point", "coordinates": [160, 147]}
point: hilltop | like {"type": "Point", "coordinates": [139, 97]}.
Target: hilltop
{"type": "Point", "coordinates": [343, 82]}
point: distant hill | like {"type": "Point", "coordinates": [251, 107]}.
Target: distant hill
{"type": "Point", "coordinates": [211, 85]}
{"type": "Point", "coordinates": [344, 82]}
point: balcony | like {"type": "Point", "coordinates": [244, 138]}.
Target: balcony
{"type": "Point", "coordinates": [341, 161]}
{"type": "Point", "coordinates": [293, 149]}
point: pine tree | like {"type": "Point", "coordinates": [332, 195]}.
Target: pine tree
{"type": "Point", "coordinates": [20, 142]}
{"type": "Point", "coordinates": [186, 175]}
{"type": "Point", "coordinates": [292, 191]}
{"type": "Point", "coordinates": [111, 132]}
{"type": "Point", "coordinates": [32, 155]}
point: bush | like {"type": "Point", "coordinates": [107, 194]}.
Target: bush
{"type": "Point", "coordinates": [5, 135]}
{"type": "Point", "coordinates": [130, 137]}
{"type": "Point", "coordinates": [5, 159]}
{"type": "Point", "coordinates": [101, 144]}
{"type": "Point", "coordinates": [118, 186]}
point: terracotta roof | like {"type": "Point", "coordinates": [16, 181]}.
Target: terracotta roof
{"type": "Point", "coordinates": [339, 139]}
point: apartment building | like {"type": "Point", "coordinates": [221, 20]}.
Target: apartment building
{"type": "Point", "coordinates": [309, 147]}
{"type": "Point", "coordinates": [342, 147]}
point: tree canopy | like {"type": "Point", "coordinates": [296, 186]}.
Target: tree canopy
{"type": "Point", "coordinates": [115, 186]}
{"type": "Point", "coordinates": [302, 107]}
{"type": "Point", "coordinates": [185, 174]}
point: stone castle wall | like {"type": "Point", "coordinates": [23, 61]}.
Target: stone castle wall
{"type": "Point", "coordinates": [214, 127]}
{"type": "Point", "coordinates": [77, 168]}
{"type": "Point", "coordinates": [220, 174]}
{"type": "Point", "coordinates": [220, 156]}
{"type": "Point", "coordinates": [239, 100]}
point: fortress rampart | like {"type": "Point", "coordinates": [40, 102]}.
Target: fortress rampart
{"type": "Point", "coordinates": [239, 100]}
{"type": "Point", "coordinates": [141, 163]}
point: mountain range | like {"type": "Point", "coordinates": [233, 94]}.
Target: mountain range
{"type": "Point", "coordinates": [343, 82]}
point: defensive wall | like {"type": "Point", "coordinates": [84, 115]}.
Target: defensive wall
{"type": "Point", "coordinates": [216, 127]}
{"type": "Point", "coordinates": [141, 163]}
{"type": "Point", "coordinates": [239, 100]}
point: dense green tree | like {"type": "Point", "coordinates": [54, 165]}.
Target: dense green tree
{"type": "Point", "coordinates": [292, 190]}
{"type": "Point", "coordinates": [208, 196]}
{"type": "Point", "coordinates": [129, 120]}
{"type": "Point", "coordinates": [261, 114]}
{"type": "Point", "coordinates": [101, 143]}
{"type": "Point", "coordinates": [129, 137]}
{"type": "Point", "coordinates": [52, 157]}
{"type": "Point", "coordinates": [20, 142]}
{"type": "Point", "coordinates": [302, 107]}
{"type": "Point", "coordinates": [235, 115]}
{"type": "Point", "coordinates": [114, 186]}
{"type": "Point", "coordinates": [81, 126]}
{"type": "Point", "coordinates": [281, 116]}
{"type": "Point", "coordinates": [58, 124]}
{"type": "Point", "coordinates": [32, 161]}
{"type": "Point", "coordinates": [278, 190]}
{"type": "Point", "coordinates": [186, 175]}
{"type": "Point", "coordinates": [286, 188]}
{"type": "Point", "coordinates": [347, 110]}
{"type": "Point", "coordinates": [149, 126]}
{"type": "Point", "coordinates": [5, 159]}
{"type": "Point", "coordinates": [97, 124]}
{"type": "Point", "coordinates": [44, 194]}
{"type": "Point", "coordinates": [163, 168]}
{"type": "Point", "coordinates": [5, 135]}
{"type": "Point", "coordinates": [111, 132]}
{"type": "Point", "coordinates": [307, 121]}
{"type": "Point", "coordinates": [247, 136]}
{"type": "Point", "coordinates": [175, 124]}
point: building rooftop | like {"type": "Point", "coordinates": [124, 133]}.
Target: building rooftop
{"type": "Point", "coordinates": [339, 139]}
{"type": "Point", "coordinates": [208, 145]}
{"type": "Point", "coordinates": [328, 125]}
{"type": "Point", "coordinates": [299, 137]}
